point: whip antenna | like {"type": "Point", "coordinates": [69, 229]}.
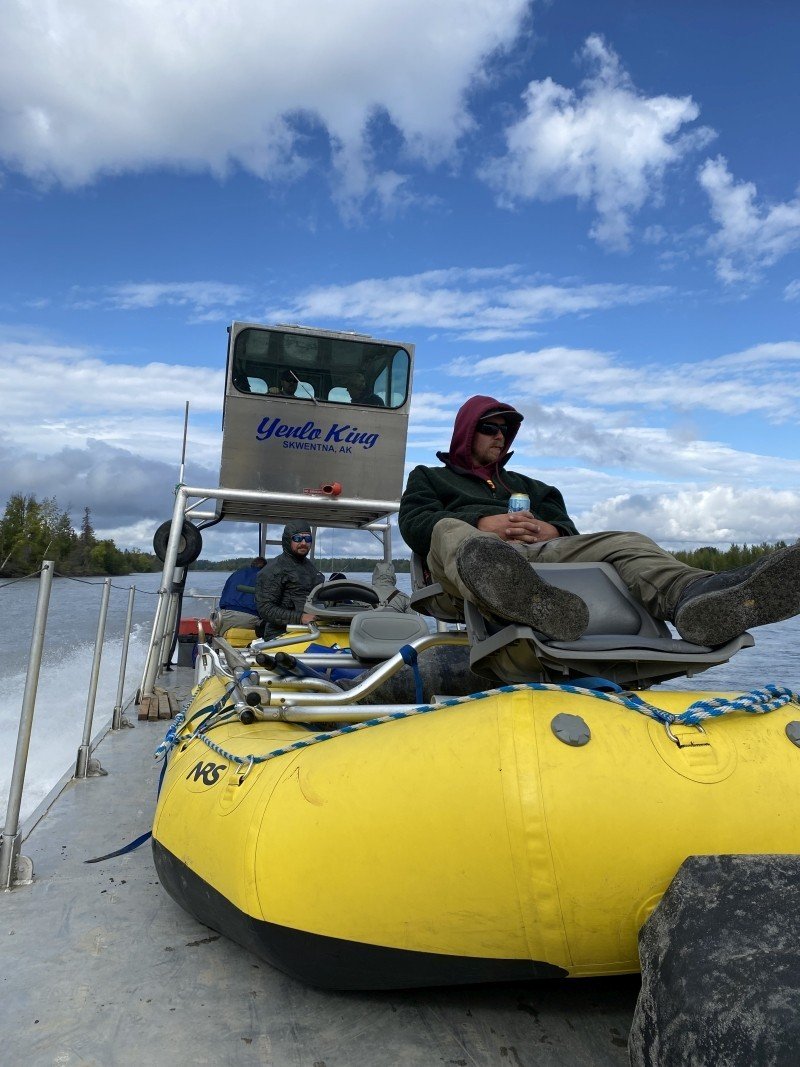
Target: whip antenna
{"type": "Point", "coordinates": [183, 448]}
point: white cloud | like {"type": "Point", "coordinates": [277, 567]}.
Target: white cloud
{"type": "Point", "coordinates": [608, 144]}
{"type": "Point", "coordinates": [763, 379]}
{"type": "Point", "coordinates": [650, 452]}
{"type": "Point", "coordinates": [81, 382]}
{"type": "Point", "coordinates": [202, 297]}
{"type": "Point", "coordinates": [717, 515]}
{"type": "Point", "coordinates": [751, 236]}
{"type": "Point", "coordinates": [203, 301]}
{"type": "Point", "coordinates": [121, 486]}
{"type": "Point", "coordinates": [89, 88]}
{"type": "Point", "coordinates": [562, 429]}
{"type": "Point", "coordinates": [792, 290]}
{"type": "Point", "coordinates": [108, 435]}
{"type": "Point", "coordinates": [103, 434]}
{"type": "Point", "coordinates": [479, 303]}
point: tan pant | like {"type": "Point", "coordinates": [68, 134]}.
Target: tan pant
{"type": "Point", "coordinates": [228, 619]}
{"type": "Point", "coordinates": [654, 577]}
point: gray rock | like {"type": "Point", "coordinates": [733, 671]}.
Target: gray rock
{"type": "Point", "coordinates": [720, 963]}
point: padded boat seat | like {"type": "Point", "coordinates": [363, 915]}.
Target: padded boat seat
{"type": "Point", "coordinates": [341, 599]}
{"type": "Point", "coordinates": [377, 635]}
{"type": "Point", "coordinates": [622, 642]}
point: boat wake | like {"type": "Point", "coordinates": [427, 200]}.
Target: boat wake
{"type": "Point", "coordinates": [60, 711]}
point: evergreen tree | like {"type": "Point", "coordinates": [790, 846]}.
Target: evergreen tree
{"type": "Point", "coordinates": [87, 530]}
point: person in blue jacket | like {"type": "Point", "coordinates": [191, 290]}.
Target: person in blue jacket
{"type": "Point", "coordinates": [237, 604]}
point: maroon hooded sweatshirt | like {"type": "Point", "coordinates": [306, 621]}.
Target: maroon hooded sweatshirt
{"type": "Point", "coordinates": [459, 457]}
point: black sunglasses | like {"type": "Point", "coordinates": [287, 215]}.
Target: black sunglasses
{"type": "Point", "coordinates": [491, 429]}
{"type": "Point", "coordinates": [300, 538]}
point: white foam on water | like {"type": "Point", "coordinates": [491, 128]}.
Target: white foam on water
{"type": "Point", "coordinates": [60, 711]}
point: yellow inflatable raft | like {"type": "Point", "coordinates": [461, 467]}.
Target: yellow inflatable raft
{"type": "Point", "coordinates": [496, 839]}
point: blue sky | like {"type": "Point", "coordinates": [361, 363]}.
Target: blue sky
{"type": "Point", "coordinates": [592, 211]}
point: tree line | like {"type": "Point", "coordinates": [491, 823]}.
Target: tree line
{"type": "Point", "coordinates": [347, 564]}
{"type": "Point", "coordinates": [708, 558]}
{"type": "Point", "coordinates": [32, 530]}
{"type": "Point", "coordinates": [715, 559]}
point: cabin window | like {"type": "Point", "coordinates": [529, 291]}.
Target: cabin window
{"type": "Point", "coordinates": [327, 369]}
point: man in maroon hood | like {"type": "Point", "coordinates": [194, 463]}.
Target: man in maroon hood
{"type": "Point", "coordinates": [456, 517]}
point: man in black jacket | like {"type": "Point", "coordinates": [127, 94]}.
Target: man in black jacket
{"type": "Point", "coordinates": [282, 587]}
{"type": "Point", "coordinates": [456, 517]}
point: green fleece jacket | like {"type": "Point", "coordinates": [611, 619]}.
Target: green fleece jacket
{"type": "Point", "coordinates": [434, 493]}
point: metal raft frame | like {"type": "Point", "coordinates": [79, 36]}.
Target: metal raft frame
{"type": "Point", "coordinates": [257, 506]}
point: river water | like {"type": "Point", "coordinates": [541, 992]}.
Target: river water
{"type": "Point", "coordinates": [67, 661]}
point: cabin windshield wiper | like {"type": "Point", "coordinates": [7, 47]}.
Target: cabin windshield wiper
{"type": "Point", "coordinates": [305, 387]}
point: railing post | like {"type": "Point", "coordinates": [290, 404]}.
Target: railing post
{"type": "Point", "coordinates": [164, 660]}
{"type": "Point", "coordinates": [82, 764]}
{"type": "Point", "coordinates": [152, 664]}
{"type": "Point", "coordinates": [117, 720]}
{"type": "Point", "coordinates": [14, 868]}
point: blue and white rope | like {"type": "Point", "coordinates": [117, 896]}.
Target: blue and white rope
{"type": "Point", "coordinates": [170, 738]}
{"type": "Point", "coordinates": [756, 702]}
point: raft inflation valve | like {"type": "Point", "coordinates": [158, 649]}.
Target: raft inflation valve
{"type": "Point", "coordinates": [793, 732]}
{"type": "Point", "coordinates": [571, 729]}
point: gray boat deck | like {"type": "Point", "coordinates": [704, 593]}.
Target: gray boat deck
{"type": "Point", "coordinates": [101, 967]}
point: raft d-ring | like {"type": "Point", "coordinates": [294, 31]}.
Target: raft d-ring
{"type": "Point", "coordinates": [676, 740]}
{"type": "Point", "coordinates": [247, 769]}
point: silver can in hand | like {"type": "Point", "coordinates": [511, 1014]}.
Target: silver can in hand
{"type": "Point", "coordinates": [519, 502]}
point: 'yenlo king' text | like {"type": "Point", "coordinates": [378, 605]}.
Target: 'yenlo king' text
{"type": "Point", "coordinates": [338, 433]}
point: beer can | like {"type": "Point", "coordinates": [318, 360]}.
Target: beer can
{"type": "Point", "coordinates": [519, 502]}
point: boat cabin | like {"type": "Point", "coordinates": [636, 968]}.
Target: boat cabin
{"type": "Point", "coordinates": [310, 408]}
{"type": "Point", "coordinates": [314, 427]}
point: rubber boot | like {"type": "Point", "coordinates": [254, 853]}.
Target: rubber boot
{"type": "Point", "coordinates": [503, 583]}
{"type": "Point", "coordinates": [715, 609]}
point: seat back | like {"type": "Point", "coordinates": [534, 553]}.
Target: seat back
{"type": "Point", "coordinates": [377, 635]}
{"type": "Point", "coordinates": [429, 597]}
{"type": "Point", "coordinates": [612, 609]}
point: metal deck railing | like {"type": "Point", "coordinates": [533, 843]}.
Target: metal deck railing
{"type": "Point", "coordinates": [16, 869]}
